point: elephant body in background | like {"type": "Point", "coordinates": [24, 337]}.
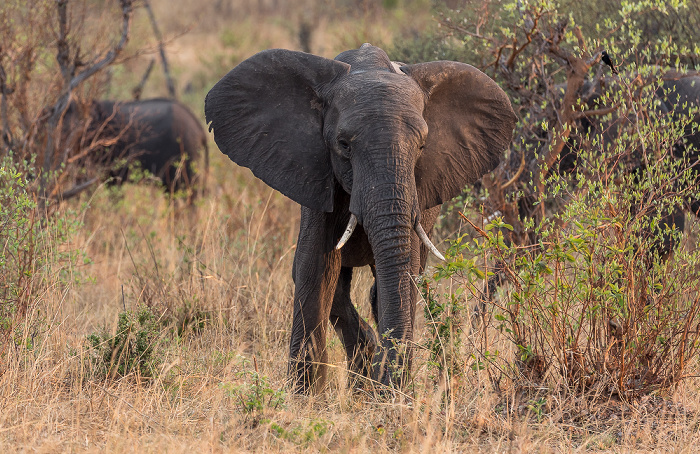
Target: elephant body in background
{"type": "Point", "coordinates": [162, 135]}
{"type": "Point", "coordinates": [359, 144]}
{"type": "Point", "coordinates": [679, 94]}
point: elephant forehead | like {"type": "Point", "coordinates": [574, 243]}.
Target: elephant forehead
{"type": "Point", "coordinates": [379, 91]}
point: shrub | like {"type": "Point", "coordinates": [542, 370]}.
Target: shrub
{"type": "Point", "coordinates": [595, 307]}
{"type": "Point", "coordinates": [592, 305]}
{"type": "Point", "coordinates": [133, 349]}
{"type": "Point", "coordinates": [33, 251]}
{"type": "Point", "coordinates": [255, 393]}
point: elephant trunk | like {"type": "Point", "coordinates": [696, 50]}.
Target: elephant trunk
{"type": "Point", "coordinates": [389, 225]}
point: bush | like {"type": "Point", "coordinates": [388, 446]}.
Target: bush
{"type": "Point", "coordinates": [254, 394]}
{"type": "Point", "coordinates": [593, 305]}
{"type": "Point", "coordinates": [133, 349]}
{"type": "Point", "coordinates": [18, 229]}
{"type": "Point", "coordinates": [33, 254]}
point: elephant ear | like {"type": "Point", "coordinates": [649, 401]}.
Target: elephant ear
{"type": "Point", "coordinates": [470, 124]}
{"type": "Point", "coordinates": [267, 115]}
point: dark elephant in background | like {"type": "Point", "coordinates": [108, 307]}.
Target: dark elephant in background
{"type": "Point", "coordinates": [370, 149]}
{"type": "Point", "coordinates": [162, 135]}
{"type": "Point", "coordinates": [678, 95]}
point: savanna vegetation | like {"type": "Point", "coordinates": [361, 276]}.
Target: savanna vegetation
{"type": "Point", "coordinates": [131, 320]}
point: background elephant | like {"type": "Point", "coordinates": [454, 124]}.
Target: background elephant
{"type": "Point", "coordinates": [162, 135]}
{"type": "Point", "coordinates": [358, 143]}
{"type": "Point", "coordinates": [678, 95]}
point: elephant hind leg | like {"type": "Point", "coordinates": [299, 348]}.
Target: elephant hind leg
{"type": "Point", "coordinates": [357, 336]}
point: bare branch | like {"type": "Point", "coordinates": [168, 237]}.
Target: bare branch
{"type": "Point", "coordinates": [161, 49]}
{"type": "Point", "coordinates": [112, 54]}
{"type": "Point", "coordinates": [519, 172]}
{"type": "Point", "coordinates": [138, 90]}
{"type": "Point", "coordinates": [72, 82]}
{"type": "Point", "coordinates": [75, 190]}
{"type": "Point", "coordinates": [63, 54]}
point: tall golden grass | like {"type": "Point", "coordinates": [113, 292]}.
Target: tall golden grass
{"type": "Point", "coordinates": [228, 261]}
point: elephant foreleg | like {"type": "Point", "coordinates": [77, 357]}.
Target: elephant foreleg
{"type": "Point", "coordinates": [316, 269]}
{"type": "Point", "coordinates": [358, 337]}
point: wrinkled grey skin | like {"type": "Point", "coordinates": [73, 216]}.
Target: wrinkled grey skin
{"type": "Point", "coordinates": [353, 135]}
{"type": "Point", "coordinates": [157, 133]}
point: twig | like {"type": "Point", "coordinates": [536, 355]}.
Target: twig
{"type": "Point", "coordinates": [161, 49]}
{"type": "Point", "coordinates": [595, 112]}
{"type": "Point", "coordinates": [138, 90]}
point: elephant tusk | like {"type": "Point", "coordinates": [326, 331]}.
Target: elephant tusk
{"type": "Point", "coordinates": [429, 244]}
{"type": "Point", "coordinates": [352, 223]}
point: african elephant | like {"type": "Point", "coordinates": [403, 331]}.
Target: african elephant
{"type": "Point", "coordinates": [363, 143]}
{"type": "Point", "coordinates": [162, 135]}
{"type": "Point", "coordinates": [678, 95]}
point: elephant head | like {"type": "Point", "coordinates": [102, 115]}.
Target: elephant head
{"type": "Point", "coordinates": [353, 138]}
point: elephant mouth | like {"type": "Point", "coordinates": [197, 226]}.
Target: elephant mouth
{"type": "Point", "coordinates": [352, 223]}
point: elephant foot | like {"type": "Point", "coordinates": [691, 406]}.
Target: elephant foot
{"type": "Point", "coordinates": [392, 364]}
{"type": "Point", "coordinates": [307, 370]}
{"type": "Point", "coordinates": [360, 361]}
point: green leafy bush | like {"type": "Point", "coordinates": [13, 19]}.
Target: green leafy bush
{"type": "Point", "coordinates": [255, 393]}
{"type": "Point", "coordinates": [18, 232]}
{"type": "Point", "coordinates": [33, 251]}
{"type": "Point", "coordinates": [592, 304]}
{"type": "Point", "coordinates": [595, 306]}
{"type": "Point", "coordinates": [301, 435]}
{"type": "Point", "coordinates": [133, 349]}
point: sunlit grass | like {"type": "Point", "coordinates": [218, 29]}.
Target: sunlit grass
{"type": "Point", "coordinates": [226, 264]}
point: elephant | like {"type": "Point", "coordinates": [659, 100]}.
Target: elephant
{"type": "Point", "coordinates": [162, 135]}
{"type": "Point", "coordinates": [678, 95]}
{"type": "Point", "coordinates": [370, 149]}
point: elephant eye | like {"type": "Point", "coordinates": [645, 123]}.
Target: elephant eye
{"type": "Point", "coordinates": [344, 146]}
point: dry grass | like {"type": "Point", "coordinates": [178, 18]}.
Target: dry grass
{"type": "Point", "coordinates": [229, 258]}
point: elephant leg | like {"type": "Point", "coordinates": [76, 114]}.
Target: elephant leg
{"type": "Point", "coordinates": [373, 296]}
{"type": "Point", "coordinates": [316, 269]}
{"type": "Point", "coordinates": [695, 207]}
{"type": "Point", "coordinates": [358, 337]}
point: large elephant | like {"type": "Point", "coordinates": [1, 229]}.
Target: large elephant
{"type": "Point", "coordinates": [162, 135]}
{"type": "Point", "coordinates": [359, 141]}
